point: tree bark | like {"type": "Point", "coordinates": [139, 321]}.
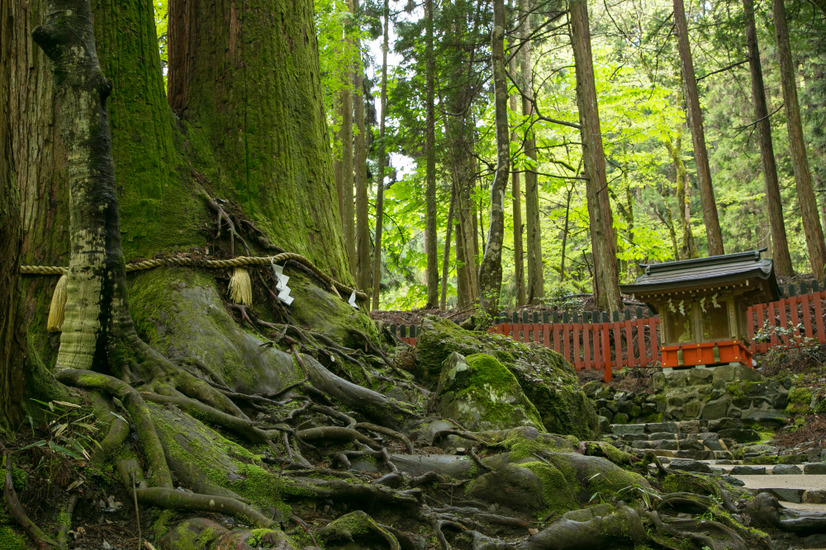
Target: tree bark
{"type": "Point", "coordinates": [516, 192]}
{"type": "Point", "coordinates": [490, 271]}
{"type": "Point", "coordinates": [695, 118]}
{"type": "Point", "coordinates": [603, 241]}
{"type": "Point", "coordinates": [431, 227]}
{"type": "Point", "coordinates": [688, 249]}
{"type": "Point", "coordinates": [272, 164]}
{"type": "Point", "coordinates": [780, 245]}
{"type": "Point", "coordinates": [797, 146]}
{"type": "Point", "coordinates": [536, 270]}
{"type": "Point", "coordinates": [382, 162]}
{"type": "Point", "coordinates": [362, 223]}
{"type": "Point", "coordinates": [12, 336]}
{"type": "Point", "coordinates": [96, 310]}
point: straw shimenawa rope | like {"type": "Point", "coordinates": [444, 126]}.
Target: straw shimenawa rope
{"type": "Point", "coordinates": [240, 261]}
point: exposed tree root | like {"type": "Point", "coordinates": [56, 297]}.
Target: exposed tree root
{"type": "Point", "coordinates": [133, 402]}
{"type": "Point", "coordinates": [180, 500]}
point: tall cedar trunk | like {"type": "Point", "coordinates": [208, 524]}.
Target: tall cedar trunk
{"type": "Point", "coordinates": [688, 249]}
{"type": "Point", "coordinates": [490, 272]}
{"type": "Point", "coordinates": [382, 161]}
{"type": "Point", "coordinates": [12, 337]}
{"type": "Point", "coordinates": [96, 311]}
{"type": "Point", "coordinates": [536, 270]}
{"type": "Point", "coordinates": [516, 191]}
{"type": "Point", "coordinates": [695, 118]}
{"type": "Point", "coordinates": [362, 223]}
{"type": "Point", "coordinates": [459, 131]}
{"type": "Point", "coordinates": [603, 242]}
{"type": "Point", "coordinates": [797, 145]}
{"type": "Point", "coordinates": [273, 164]}
{"type": "Point", "coordinates": [780, 246]}
{"type": "Point", "coordinates": [346, 197]}
{"type": "Point", "coordinates": [431, 250]}
{"type": "Point", "coordinates": [40, 162]}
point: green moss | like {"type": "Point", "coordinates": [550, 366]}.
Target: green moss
{"type": "Point", "coordinates": [800, 400]}
{"type": "Point", "coordinates": [160, 526]}
{"type": "Point", "coordinates": [522, 447]}
{"type": "Point", "coordinates": [11, 540]}
{"type": "Point", "coordinates": [556, 493]}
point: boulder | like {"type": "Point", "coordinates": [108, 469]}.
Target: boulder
{"type": "Point", "coordinates": [481, 394]}
{"type": "Point", "coordinates": [546, 379]}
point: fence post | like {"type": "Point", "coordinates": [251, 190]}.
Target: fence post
{"type": "Point", "coordinates": [606, 353]}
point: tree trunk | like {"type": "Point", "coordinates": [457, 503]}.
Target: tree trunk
{"type": "Point", "coordinates": [780, 246]}
{"type": "Point", "coordinates": [431, 227]}
{"type": "Point", "coordinates": [516, 191]}
{"type": "Point", "coordinates": [689, 248]}
{"type": "Point", "coordinates": [695, 118]}
{"type": "Point", "coordinates": [382, 162]}
{"type": "Point", "coordinates": [536, 270]}
{"type": "Point", "coordinates": [96, 310]}
{"type": "Point", "coordinates": [362, 223]}
{"type": "Point", "coordinates": [12, 336]}
{"type": "Point", "coordinates": [797, 146]}
{"type": "Point", "coordinates": [268, 158]}
{"type": "Point", "coordinates": [490, 272]}
{"type": "Point", "coordinates": [603, 242]}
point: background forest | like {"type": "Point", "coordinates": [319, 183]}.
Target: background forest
{"type": "Point", "coordinates": [439, 53]}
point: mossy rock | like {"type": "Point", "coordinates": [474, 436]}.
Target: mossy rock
{"type": "Point", "coordinates": [481, 394]}
{"type": "Point", "coordinates": [11, 540]}
{"type": "Point", "coordinates": [525, 443]}
{"type": "Point", "coordinates": [547, 380]}
{"type": "Point", "coordinates": [355, 530]}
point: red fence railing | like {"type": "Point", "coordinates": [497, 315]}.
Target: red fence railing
{"type": "Point", "coordinates": [608, 345]}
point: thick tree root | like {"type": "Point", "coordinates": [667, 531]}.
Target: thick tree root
{"type": "Point", "coordinates": [117, 434]}
{"type": "Point", "coordinates": [180, 500]}
{"type": "Point", "coordinates": [133, 402]}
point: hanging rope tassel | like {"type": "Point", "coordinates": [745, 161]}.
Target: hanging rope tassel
{"type": "Point", "coordinates": [240, 287]}
{"type": "Point", "coordinates": [57, 309]}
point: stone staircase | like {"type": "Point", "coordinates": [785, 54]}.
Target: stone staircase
{"type": "Point", "coordinates": [691, 439]}
{"type": "Point", "coordinates": [705, 447]}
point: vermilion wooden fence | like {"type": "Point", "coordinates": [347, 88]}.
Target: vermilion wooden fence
{"type": "Point", "coordinates": [606, 346]}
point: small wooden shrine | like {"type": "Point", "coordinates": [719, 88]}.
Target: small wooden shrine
{"type": "Point", "coordinates": [702, 305]}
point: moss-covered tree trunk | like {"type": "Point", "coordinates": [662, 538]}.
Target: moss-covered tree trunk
{"type": "Point", "coordinates": [382, 162]}
{"type": "Point", "coordinates": [490, 271]}
{"type": "Point", "coordinates": [603, 241]}
{"type": "Point", "coordinates": [797, 145]}
{"type": "Point", "coordinates": [12, 337]}
{"type": "Point", "coordinates": [96, 292]}
{"type": "Point", "coordinates": [360, 160]}
{"type": "Point", "coordinates": [536, 270]}
{"type": "Point", "coordinates": [249, 79]}
{"type": "Point", "coordinates": [695, 118]}
{"type": "Point", "coordinates": [431, 225]}
{"type": "Point", "coordinates": [780, 245]}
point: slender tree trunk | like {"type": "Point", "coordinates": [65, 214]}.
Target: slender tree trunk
{"type": "Point", "coordinates": [446, 260]}
{"type": "Point", "coordinates": [780, 246]}
{"type": "Point", "coordinates": [362, 223]}
{"type": "Point", "coordinates": [565, 231]}
{"type": "Point", "coordinates": [516, 191]}
{"type": "Point", "coordinates": [797, 145]}
{"type": "Point", "coordinates": [96, 310]}
{"type": "Point", "coordinates": [536, 270]}
{"type": "Point", "coordinates": [382, 161]}
{"type": "Point", "coordinates": [490, 272]}
{"type": "Point", "coordinates": [430, 234]}
{"type": "Point", "coordinates": [12, 336]}
{"type": "Point", "coordinates": [695, 118]}
{"type": "Point", "coordinates": [603, 241]}
{"type": "Point", "coordinates": [688, 248]}
{"type": "Point", "coordinates": [346, 197]}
